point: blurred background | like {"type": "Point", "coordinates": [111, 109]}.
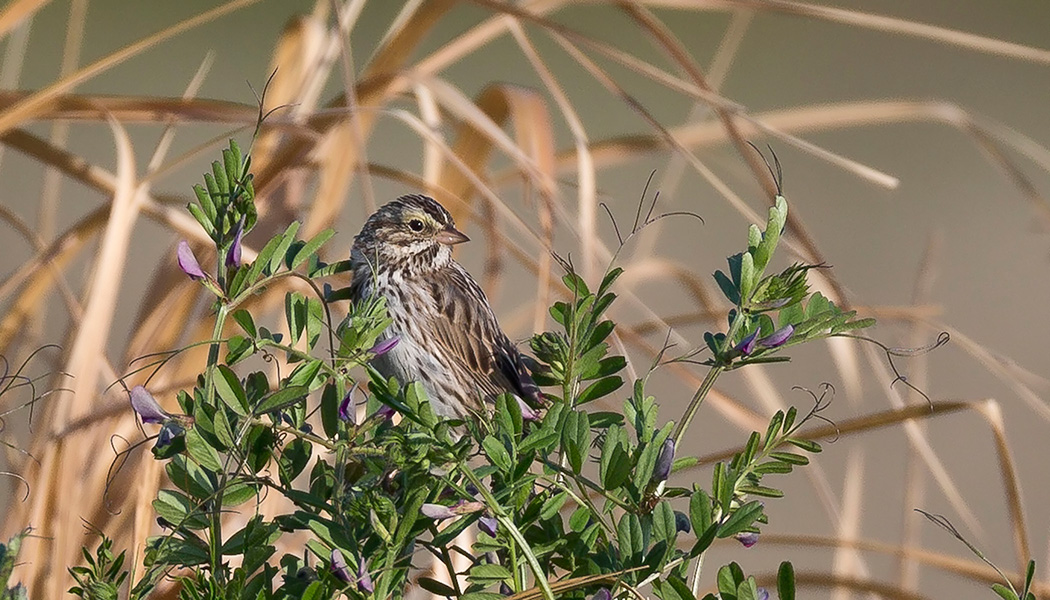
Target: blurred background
{"type": "Point", "coordinates": [913, 138]}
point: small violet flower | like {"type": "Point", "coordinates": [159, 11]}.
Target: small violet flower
{"type": "Point", "coordinates": [747, 538]}
{"type": "Point", "coordinates": [384, 346]}
{"type": "Point", "coordinates": [440, 513]}
{"type": "Point", "coordinates": [778, 337]}
{"type": "Point", "coordinates": [747, 345]}
{"type": "Point", "coordinates": [346, 408]}
{"type": "Point", "coordinates": [436, 511]}
{"type": "Point", "coordinates": [385, 412]}
{"type": "Point", "coordinates": [664, 461]}
{"type": "Point", "coordinates": [488, 524]}
{"type": "Point", "coordinates": [602, 594]}
{"type": "Point", "coordinates": [364, 580]}
{"type": "Point", "coordinates": [681, 522]}
{"type": "Point", "coordinates": [527, 412]}
{"type": "Point", "coordinates": [505, 590]}
{"type": "Point", "coordinates": [169, 432]}
{"type": "Point", "coordinates": [188, 262]}
{"type": "Point", "coordinates": [339, 567]}
{"type": "Point", "coordinates": [233, 255]}
{"type": "Point", "coordinates": [763, 594]}
{"type": "Point", "coordinates": [146, 406]}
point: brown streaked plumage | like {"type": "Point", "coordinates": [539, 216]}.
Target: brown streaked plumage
{"type": "Point", "coordinates": [449, 338]}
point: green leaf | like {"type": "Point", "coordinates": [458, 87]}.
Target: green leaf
{"type": "Point", "coordinates": [497, 453]}
{"type": "Point", "coordinates": [741, 519]}
{"type": "Point", "coordinates": [202, 452]}
{"type": "Point", "coordinates": [180, 511]}
{"type": "Point", "coordinates": [539, 439]}
{"type": "Point", "coordinates": [629, 538]}
{"type": "Point", "coordinates": [700, 514]}
{"type": "Point", "coordinates": [489, 573]}
{"type": "Point", "coordinates": [599, 389]}
{"type": "Point", "coordinates": [280, 399]}
{"type": "Point", "coordinates": [552, 505]}
{"type": "Point", "coordinates": [228, 387]}
{"type": "Point", "coordinates": [747, 590]}
{"type": "Point", "coordinates": [237, 493]}
{"type": "Point", "coordinates": [436, 587]}
{"type": "Point", "coordinates": [615, 464]}
{"type": "Point", "coordinates": [284, 242]}
{"type": "Point", "coordinates": [576, 438]}
{"type": "Point", "coordinates": [747, 276]}
{"type": "Point", "coordinates": [807, 445]}
{"type": "Point", "coordinates": [786, 581]}
{"type": "Point", "coordinates": [664, 527]}
{"type": "Point", "coordinates": [761, 490]}
{"type": "Point", "coordinates": [310, 248]}
{"type": "Point", "coordinates": [790, 458]}
{"type": "Point", "coordinates": [728, 288]}
{"type": "Point", "coordinates": [1004, 592]}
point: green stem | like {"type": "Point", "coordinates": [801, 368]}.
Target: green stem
{"type": "Point", "coordinates": [519, 539]}
{"type": "Point", "coordinates": [709, 380]}
{"type": "Point", "coordinates": [215, 530]}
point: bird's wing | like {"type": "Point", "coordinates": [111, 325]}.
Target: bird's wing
{"type": "Point", "coordinates": [466, 329]}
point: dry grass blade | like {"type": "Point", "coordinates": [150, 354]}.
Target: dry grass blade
{"type": "Point", "coordinates": [875, 22]}
{"type": "Point", "coordinates": [39, 102]}
{"type": "Point", "coordinates": [18, 11]}
{"type": "Point", "coordinates": [991, 411]}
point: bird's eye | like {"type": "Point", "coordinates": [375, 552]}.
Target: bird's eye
{"type": "Point", "coordinates": [415, 225]}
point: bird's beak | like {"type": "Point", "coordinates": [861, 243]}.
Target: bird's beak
{"type": "Point", "coordinates": [450, 236]}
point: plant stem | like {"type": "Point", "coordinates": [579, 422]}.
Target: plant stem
{"type": "Point", "coordinates": [215, 529]}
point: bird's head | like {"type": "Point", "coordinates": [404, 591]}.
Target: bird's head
{"type": "Point", "coordinates": [413, 228]}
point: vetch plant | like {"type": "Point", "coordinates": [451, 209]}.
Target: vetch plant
{"type": "Point", "coordinates": [567, 503]}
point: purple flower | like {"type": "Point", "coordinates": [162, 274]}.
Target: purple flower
{"type": "Point", "coordinates": [488, 524]}
{"type": "Point", "coordinates": [436, 511]}
{"type": "Point", "coordinates": [778, 337]}
{"type": "Point", "coordinates": [169, 432]}
{"type": "Point", "coordinates": [527, 412]}
{"type": "Point", "coordinates": [440, 512]}
{"type": "Point", "coordinates": [188, 262]}
{"type": "Point", "coordinates": [747, 345]}
{"type": "Point", "coordinates": [763, 594]}
{"type": "Point", "coordinates": [505, 589]}
{"type": "Point", "coordinates": [339, 566]}
{"type": "Point", "coordinates": [385, 412]}
{"type": "Point", "coordinates": [664, 461]}
{"type": "Point", "coordinates": [146, 406]}
{"type": "Point", "coordinates": [747, 538]}
{"type": "Point", "coordinates": [364, 580]}
{"type": "Point", "coordinates": [346, 407]}
{"type": "Point", "coordinates": [384, 346]}
{"type": "Point", "coordinates": [681, 522]}
{"type": "Point", "coordinates": [602, 594]}
{"type": "Point", "coordinates": [233, 255]}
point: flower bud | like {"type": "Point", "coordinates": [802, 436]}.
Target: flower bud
{"type": "Point", "coordinates": [364, 580]}
{"type": "Point", "coordinates": [747, 345]}
{"type": "Point", "coordinates": [145, 405]}
{"type": "Point", "coordinates": [602, 594]}
{"type": "Point", "coordinates": [233, 255]}
{"type": "Point", "coordinates": [488, 524]}
{"type": "Point", "coordinates": [188, 262]}
{"type": "Point", "coordinates": [664, 461]}
{"type": "Point", "coordinates": [384, 346]}
{"type": "Point", "coordinates": [346, 407]}
{"type": "Point", "coordinates": [777, 338]}
{"type": "Point", "coordinates": [681, 522]}
{"type": "Point", "coordinates": [436, 511]}
{"type": "Point", "coordinates": [339, 566]}
{"type": "Point", "coordinates": [747, 538]}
